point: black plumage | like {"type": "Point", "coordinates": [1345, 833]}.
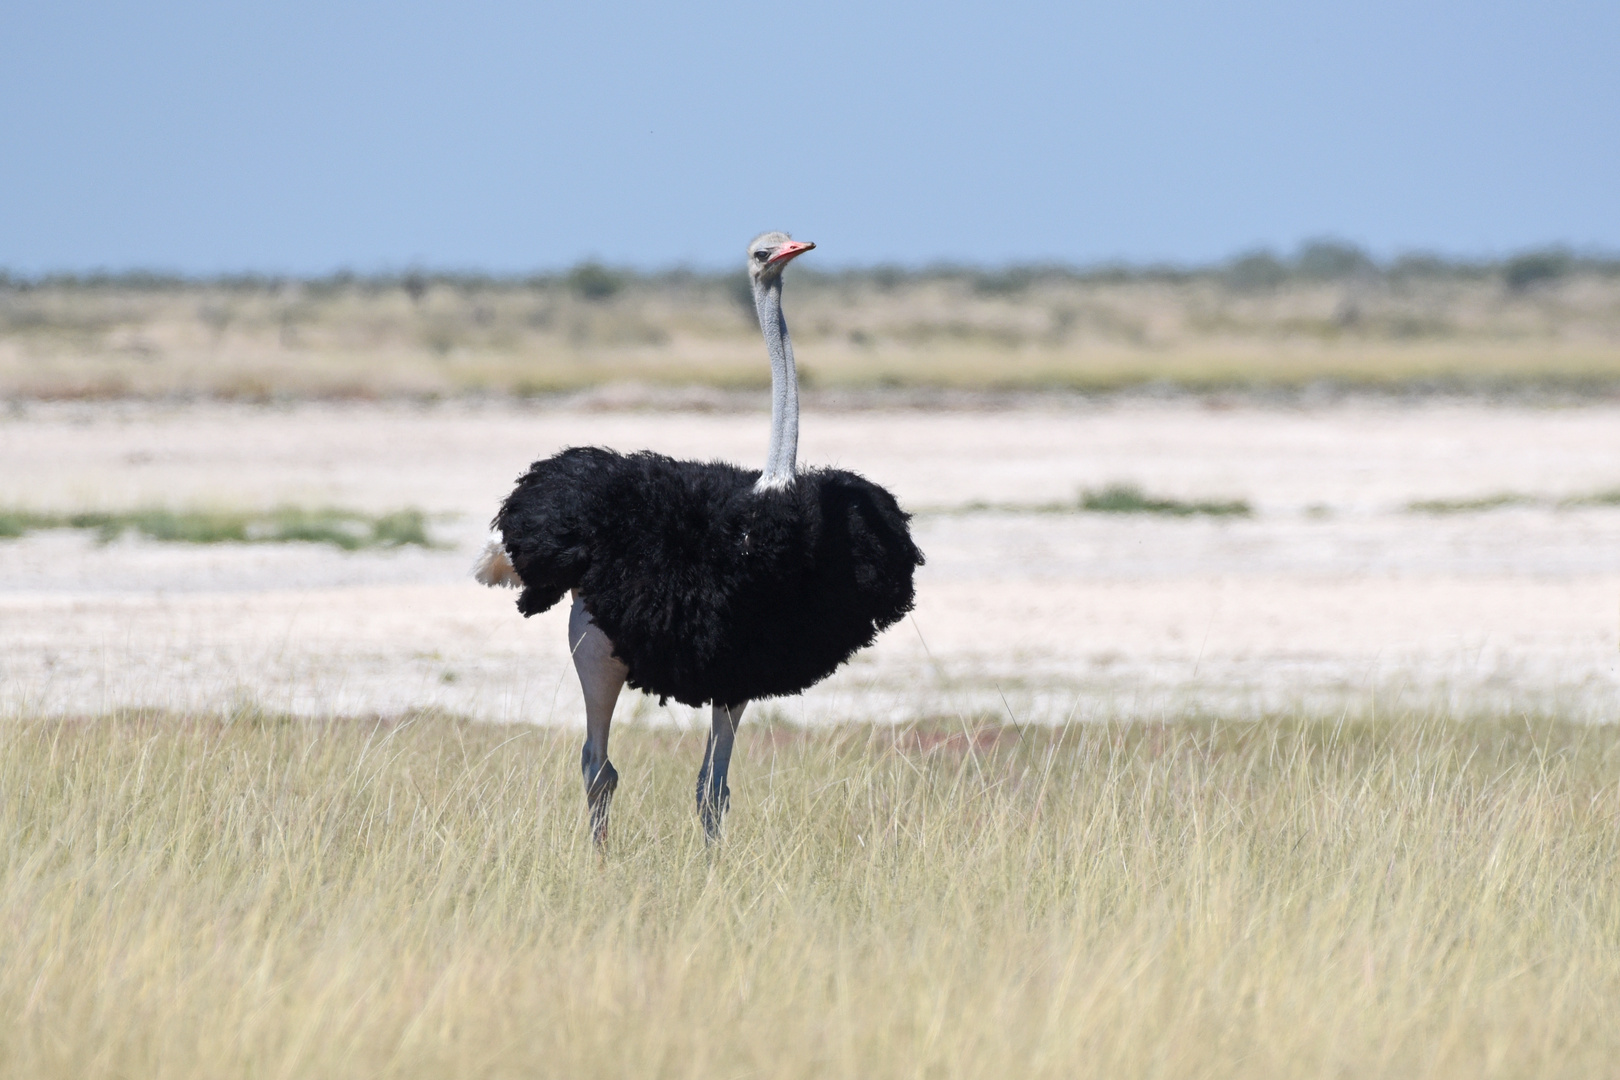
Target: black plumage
{"type": "Point", "coordinates": [712, 589]}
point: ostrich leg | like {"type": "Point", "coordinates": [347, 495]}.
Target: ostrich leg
{"type": "Point", "coordinates": [601, 677]}
{"type": "Point", "coordinates": [713, 796]}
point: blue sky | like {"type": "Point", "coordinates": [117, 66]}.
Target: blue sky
{"type": "Point", "coordinates": [302, 136]}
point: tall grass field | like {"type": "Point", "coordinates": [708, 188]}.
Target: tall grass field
{"type": "Point", "coordinates": [249, 896]}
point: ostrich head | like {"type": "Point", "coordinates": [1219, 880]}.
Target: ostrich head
{"type": "Point", "coordinates": [769, 252]}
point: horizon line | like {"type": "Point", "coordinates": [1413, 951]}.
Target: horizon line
{"type": "Point", "coordinates": [1322, 257]}
{"type": "Point", "coordinates": [1329, 253]}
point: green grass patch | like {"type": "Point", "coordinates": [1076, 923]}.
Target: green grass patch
{"type": "Point", "coordinates": [350, 530]}
{"type": "Point", "coordinates": [1130, 499]}
{"type": "Point", "coordinates": [15, 523]}
{"type": "Point", "coordinates": [1499, 501]}
{"type": "Point", "coordinates": [1115, 499]}
{"type": "Point", "coordinates": [1503, 500]}
{"type": "Point", "coordinates": [1596, 498]}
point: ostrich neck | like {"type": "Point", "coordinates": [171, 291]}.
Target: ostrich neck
{"type": "Point", "coordinates": [784, 452]}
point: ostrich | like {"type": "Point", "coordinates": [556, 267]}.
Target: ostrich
{"type": "Point", "coordinates": [703, 581]}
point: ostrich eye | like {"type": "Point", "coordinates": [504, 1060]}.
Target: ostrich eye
{"type": "Point", "coordinates": [760, 255]}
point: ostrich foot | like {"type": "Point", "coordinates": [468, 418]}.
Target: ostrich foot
{"type": "Point", "coordinates": [712, 804]}
{"type": "Point", "coordinates": [599, 796]}
{"type": "Point", "coordinates": [713, 793]}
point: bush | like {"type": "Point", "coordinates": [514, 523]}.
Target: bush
{"type": "Point", "coordinates": [593, 281]}
{"type": "Point", "coordinates": [1534, 267]}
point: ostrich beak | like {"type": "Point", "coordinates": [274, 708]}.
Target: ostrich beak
{"type": "Point", "coordinates": [789, 250]}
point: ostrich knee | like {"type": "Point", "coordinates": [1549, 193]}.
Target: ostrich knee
{"type": "Point", "coordinates": [713, 793]}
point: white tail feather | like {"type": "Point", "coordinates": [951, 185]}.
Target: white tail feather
{"type": "Point", "coordinates": [494, 566]}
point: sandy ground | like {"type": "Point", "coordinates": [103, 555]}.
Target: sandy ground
{"type": "Point", "coordinates": [1332, 597]}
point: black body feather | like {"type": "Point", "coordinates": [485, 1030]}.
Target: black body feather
{"type": "Point", "coordinates": [709, 590]}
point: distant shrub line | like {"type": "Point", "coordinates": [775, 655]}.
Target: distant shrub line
{"type": "Point", "coordinates": [1314, 261]}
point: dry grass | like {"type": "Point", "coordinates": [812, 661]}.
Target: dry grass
{"type": "Point", "coordinates": [191, 897]}
{"type": "Point", "coordinates": [347, 338]}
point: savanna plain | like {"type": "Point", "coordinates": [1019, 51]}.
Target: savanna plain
{"type": "Point", "coordinates": [1257, 717]}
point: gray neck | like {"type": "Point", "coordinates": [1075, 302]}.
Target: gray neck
{"type": "Point", "coordinates": [780, 461]}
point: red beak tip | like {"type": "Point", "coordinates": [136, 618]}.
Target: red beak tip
{"type": "Point", "coordinates": [791, 249]}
